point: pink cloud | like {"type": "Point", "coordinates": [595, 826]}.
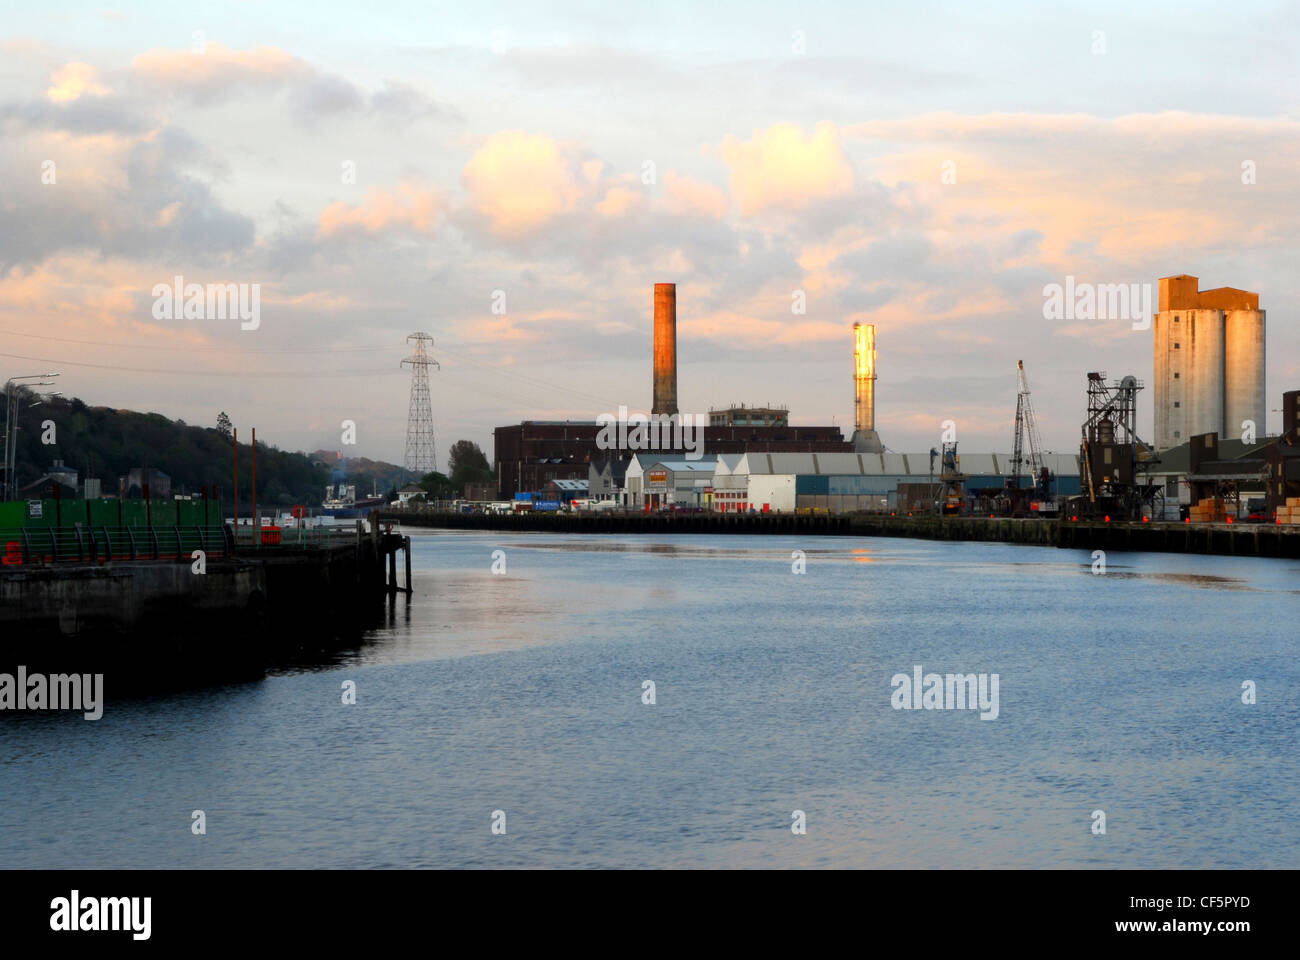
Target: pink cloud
{"type": "Point", "coordinates": [409, 206]}
{"type": "Point", "coordinates": [780, 168]}
{"type": "Point", "coordinates": [685, 196]}
{"type": "Point", "coordinates": [521, 181]}
{"type": "Point", "coordinates": [218, 69]}
{"type": "Point", "coordinates": [74, 80]}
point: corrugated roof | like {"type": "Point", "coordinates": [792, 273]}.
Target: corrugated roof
{"type": "Point", "coordinates": [683, 466]}
{"type": "Point", "coordinates": [727, 463]}
{"type": "Point", "coordinates": [882, 464]}
{"type": "Point", "coordinates": [648, 458]}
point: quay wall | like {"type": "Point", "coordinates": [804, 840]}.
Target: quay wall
{"type": "Point", "coordinates": [1260, 540]}
{"type": "Point", "coordinates": [158, 624]}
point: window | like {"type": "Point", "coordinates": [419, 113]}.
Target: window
{"type": "Point", "coordinates": [1175, 376]}
{"type": "Point", "coordinates": [1175, 318]}
{"type": "Point", "coordinates": [1177, 404]}
{"type": "Point", "coordinates": [1177, 434]}
{"type": "Point", "coordinates": [1178, 346]}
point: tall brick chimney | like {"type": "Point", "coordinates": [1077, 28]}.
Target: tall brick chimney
{"type": "Point", "coordinates": [665, 350]}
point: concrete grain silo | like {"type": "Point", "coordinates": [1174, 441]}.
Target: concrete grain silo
{"type": "Point", "coordinates": [1243, 385]}
{"type": "Point", "coordinates": [1209, 361]}
{"type": "Point", "coordinates": [1198, 351]}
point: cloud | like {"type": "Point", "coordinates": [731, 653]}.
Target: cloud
{"type": "Point", "coordinates": [74, 80]}
{"type": "Point", "coordinates": [81, 297]}
{"type": "Point", "coordinates": [326, 94]}
{"type": "Point", "coordinates": [220, 74]}
{"type": "Point", "coordinates": [116, 194]}
{"type": "Point", "coordinates": [1016, 126]}
{"type": "Point", "coordinates": [409, 206]}
{"type": "Point", "coordinates": [684, 196]}
{"type": "Point", "coordinates": [401, 101]}
{"type": "Point", "coordinates": [521, 181]}
{"type": "Point", "coordinates": [620, 201]}
{"type": "Point", "coordinates": [218, 71]}
{"type": "Point", "coordinates": [83, 116]}
{"type": "Point", "coordinates": [780, 168]}
{"type": "Point", "coordinates": [1154, 181]}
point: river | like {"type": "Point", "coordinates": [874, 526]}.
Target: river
{"type": "Point", "coordinates": [521, 691]}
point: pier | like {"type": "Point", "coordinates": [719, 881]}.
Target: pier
{"type": "Point", "coordinates": [154, 607]}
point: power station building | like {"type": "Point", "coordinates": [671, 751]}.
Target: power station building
{"type": "Point", "coordinates": [1209, 362]}
{"type": "Point", "coordinates": [531, 454]}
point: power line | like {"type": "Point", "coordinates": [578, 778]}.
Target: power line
{"type": "Point", "coordinates": [511, 374]}
{"type": "Point", "coordinates": [303, 375]}
{"type": "Point", "coordinates": [191, 348]}
{"type": "Point", "coordinates": [501, 371]}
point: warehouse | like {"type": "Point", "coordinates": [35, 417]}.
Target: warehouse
{"type": "Point", "coordinates": [652, 482]}
{"type": "Point", "coordinates": [842, 482]}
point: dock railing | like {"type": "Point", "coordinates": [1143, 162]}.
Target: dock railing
{"type": "Point", "coordinates": [90, 543]}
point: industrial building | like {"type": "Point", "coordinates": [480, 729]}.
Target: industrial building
{"type": "Point", "coordinates": [656, 480]}
{"type": "Point", "coordinates": [1234, 471]}
{"type": "Point", "coordinates": [1209, 362]}
{"type": "Point", "coordinates": [743, 416]}
{"type": "Point", "coordinates": [565, 491]}
{"type": "Point", "coordinates": [755, 460]}
{"type": "Point", "coordinates": [844, 482]}
{"type": "Point", "coordinates": [530, 454]}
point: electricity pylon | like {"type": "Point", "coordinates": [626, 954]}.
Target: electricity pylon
{"type": "Point", "coordinates": [421, 456]}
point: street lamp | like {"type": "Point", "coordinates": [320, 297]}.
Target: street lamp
{"type": "Point", "coordinates": [11, 426]}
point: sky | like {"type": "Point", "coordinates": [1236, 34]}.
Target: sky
{"type": "Point", "coordinates": [513, 179]}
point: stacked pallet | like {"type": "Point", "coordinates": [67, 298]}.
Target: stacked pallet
{"type": "Point", "coordinates": [1208, 510]}
{"type": "Point", "coordinates": [1290, 512]}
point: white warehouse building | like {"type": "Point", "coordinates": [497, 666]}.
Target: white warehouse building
{"type": "Point", "coordinates": [840, 482]}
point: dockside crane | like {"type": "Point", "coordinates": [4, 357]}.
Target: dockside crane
{"type": "Point", "coordinates": [1027, 435]}
{"type": "Point", "coordinates": [1026, 430]}
{"type": "Point", "coordinates": [952, 482]}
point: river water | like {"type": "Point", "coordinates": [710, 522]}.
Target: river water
{"type": "Point", "coordinates": [522, 692]}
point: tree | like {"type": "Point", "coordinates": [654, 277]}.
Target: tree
{"type": "Point", "coordinates": [438, 486]}
{"type": "Point", "coordinates": [224, 426]}
{"type": "Point", "coordinates": [466, 453]}
{"type": "Point", "coordinates": [468, 464]}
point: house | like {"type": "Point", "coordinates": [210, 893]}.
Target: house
{"type": "Point", "coordinates": [133, 484]}
{"type": "Point", "coordinates": [607, 477]}
{"type": "Point", "coordinates": [410, 492]}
